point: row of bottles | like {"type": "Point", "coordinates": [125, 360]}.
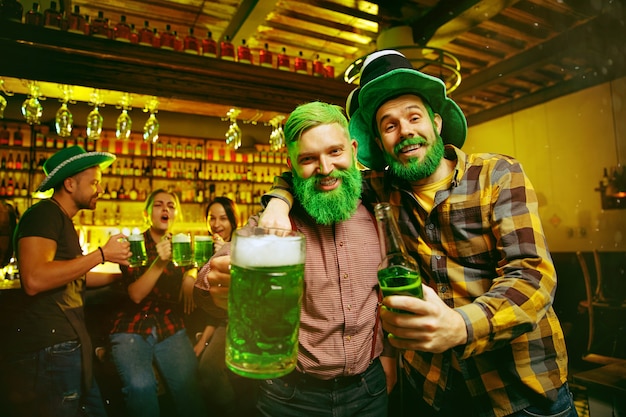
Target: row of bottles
{"type": "Point", "coordinates": [20, 162]}
{"type": "Point", "coordinates": [124, 31]}
{"type": "Point", "coordinates": [191, 148]}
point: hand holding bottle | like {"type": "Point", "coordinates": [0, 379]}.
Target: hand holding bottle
{"type": "Point", "coordinates": [398, 273]}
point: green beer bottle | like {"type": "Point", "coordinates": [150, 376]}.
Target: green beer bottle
{"type": "Point", "coordinates": [398, 273]}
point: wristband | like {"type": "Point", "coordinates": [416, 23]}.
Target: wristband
{"type": "Point", "coordinates": [101, 253]}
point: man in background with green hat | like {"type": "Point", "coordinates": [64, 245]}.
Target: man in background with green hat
{"type": "Point", "coordinates": [46, 355]}
{"type": "Point", "coordinates": [485, 340]}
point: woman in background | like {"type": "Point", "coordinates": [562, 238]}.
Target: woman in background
{"type": "Point", "coordinates": [226, 393]}
{"type": "Point", "coordinates": [149, 329]}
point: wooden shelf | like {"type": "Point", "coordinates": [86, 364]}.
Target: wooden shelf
{"type": "Point", "coordinates": [37, 53]}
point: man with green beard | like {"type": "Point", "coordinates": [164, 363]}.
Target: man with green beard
{"type": "Point", "coordinates": [485, 340]}
{"type": "Point", "coordinates": [345, 365]}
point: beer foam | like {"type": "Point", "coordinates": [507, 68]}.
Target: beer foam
{"type": "Point", "coordinates": [135, 237]}
{"type": "Point", "coordinates": [268, 250]}
{"type": "Point", "coordinates": [203, 238]}
{"type": "Point", "coordinates": [181, 238]}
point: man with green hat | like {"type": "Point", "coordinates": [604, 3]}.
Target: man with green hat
{"type": "Point", "coordinates": [485, 340]}
{"type": "Point", "coordinates": [46, 355]}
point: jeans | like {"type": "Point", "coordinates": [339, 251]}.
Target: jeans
{"type": "Point", "coordinates": [134, 356]}
{"type": "Point", "coordinates": [367, 397]}
{"type": "Point", "coordinates": [48, 383]}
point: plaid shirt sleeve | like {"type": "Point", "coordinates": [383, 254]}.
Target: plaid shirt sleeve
{"type": "Point", "coordinates": [521, 292]}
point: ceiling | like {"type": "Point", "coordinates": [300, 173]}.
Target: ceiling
{"type": "Point", "coordinates": [512, 54]}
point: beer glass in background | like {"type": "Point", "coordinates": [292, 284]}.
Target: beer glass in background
{"type": "Point", "coordinates": [138, 250]}
{"type": "Point", "coordinates": [202, 249]}
{"type": "Point", "coordinates": [267, 281]}
{"type": "Point", "coordinates": [181, 249]}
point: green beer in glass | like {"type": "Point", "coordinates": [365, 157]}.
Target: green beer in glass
{"type": "Point", "coordinates": [202, 249]}
{"type": "Point", "coordinates": [267, 281]}
{"type": "Point", "coordinates": [181, 250]}
{"type": "Point", "coordinates": [138, 255]}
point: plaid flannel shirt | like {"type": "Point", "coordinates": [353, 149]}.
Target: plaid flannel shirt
{"type": "Point", "coordinates": [482, 248]}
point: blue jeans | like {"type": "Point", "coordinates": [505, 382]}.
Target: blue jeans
{"type": "Point", "coordinates": [134, 355]}
{"type": "Point", "coordinates": [48, 383]}
{"type": "Point", "coordinates": [288, 397]}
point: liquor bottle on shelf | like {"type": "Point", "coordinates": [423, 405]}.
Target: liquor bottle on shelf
{"type": "Point", "coordinates": [134, 35]}
{"type": "Point", "coordinates": [34, 16]}
{"type": "Point", "coordinates": [243, 53]}
{"type": "Point", "coordinates": [18, 161]}
{"type": "Point", "coordinates": [156, 38]}
{"type": "Point", "coordinates": [318, 67]}
{"type": "Point", "coordinates": [265, 57]}
{"type": "Point", "coordinates": [133, 193]}
{"type": "Point", "coordinates": [24, 190]}
{"type": "Point", "coordinates": [329, 69]}
{"type": "Point", "coordinates": [283, 60]}
{"type": "Point", "coordinates": [227, 50]}
{"type": "Point", "coordinates": [100, 26]}
{"type": "Point", "coordinates": [76, 21]}
{"type": "Point", "coordinates": [145, 34]}
{"type": "Point", "coordinates": [52, 17]}
{"type": "Point", "coordinates": [191, 45]}
{"type": "Point", "coordinates": [3, 188]}
{"type": "Point", "coordinates": [12, 10]}
{"type": "Point", "coordinates": [301, 65]}
{"type": "Point", "coordinates": [209, 46]}
{"type": "Point", "coordinates": [167, 38]}
{"type": "Point", "coordinates": [10, 187]}
{"type": "Point", "coordinates": [106, 195]}
{"type": "Point", "coordinates": [18, 137]}
{"type": "Point", "coordinates": [398, 273]}
{"type": "Point", "coordinates": [26, 163]}
{"type": "Point", "coordinates": [178, 42]}
{"type": "Point", "coordinates": [5, 135]}
{"type": "Point", "coordinates": [10, 164]}
{"type": "Point", "coordinates": [122, 30]}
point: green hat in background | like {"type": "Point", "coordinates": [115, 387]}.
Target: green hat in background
{"type": "Point", "coordinates": [70, 161]}
{"type": "Point", "coordinates": [388, 74]}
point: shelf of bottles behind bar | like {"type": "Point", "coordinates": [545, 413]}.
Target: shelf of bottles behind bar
{"type": "Point", "coordinates": [142, 33]}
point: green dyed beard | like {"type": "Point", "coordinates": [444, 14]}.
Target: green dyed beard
{"type": "Point", "coordinates": [415, 170]}
{"type": "Point", "coordinates": [328, 207]}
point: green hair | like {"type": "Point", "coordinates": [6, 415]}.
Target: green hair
{"type": "Point", "coordinates": [309, 115]}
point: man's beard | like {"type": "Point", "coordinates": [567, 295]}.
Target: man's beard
{"type": "Point", "coordinates": [413, 169]}
{"type": "Point", "coordinates": [328, 207]}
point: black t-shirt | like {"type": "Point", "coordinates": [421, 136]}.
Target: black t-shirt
{"type": "Point", "coordinates": [31, 323]}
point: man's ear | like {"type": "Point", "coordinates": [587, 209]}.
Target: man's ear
{"type": "Point", "coordinates": [438, 122]}
{"type": "Point", "coordinates": [68, 184]}
{"type": "Point", "coordinates": [355, 147]}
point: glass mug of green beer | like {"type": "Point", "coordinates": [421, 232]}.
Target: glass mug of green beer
{"type": "Point", "coordinates": [202, 249]}
{"type": "Point", "coordinates": [264, 299]}
{"type": "Point", "coordinates": [181, 249]}
{"type": "Point", "coordinates": [138, 250]}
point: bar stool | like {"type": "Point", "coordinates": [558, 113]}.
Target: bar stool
{"type": "Point", "coordinates": [606, 341]}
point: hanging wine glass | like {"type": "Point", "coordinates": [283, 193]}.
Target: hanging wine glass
{"type": "Point", "coordinates": [64, 121]}
{"type": "Point", "coordinates": [124, 123]}
{"type": "Point", "coordinates": [94, 118]}
{"type": "Point", "coordinates": [277, 136]}
{"type": "Point", "coordinates": [32, 108]}
{"type": "Point", "coordinates": [3, 100]}
{"type": "Point", "coordinates": [233, 134]}
{"type": "Point", "coordinates": [151, 128]}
